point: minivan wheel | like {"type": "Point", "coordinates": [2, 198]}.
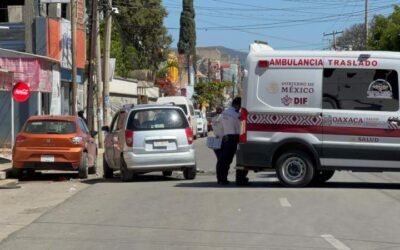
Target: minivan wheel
{"type": "Point", "coordinates": [166, 173]}
{"type": "Point", "coordinates": [189, 173]}
{"type": "Point", "coordinates": [107, 171]}
{"type": "Point", "coordinates": [322, 176]}
{"type": "Point", "coordinates": [295, 169]}
{"type": "Point", "coordinates": [126, 174]}
{"type": "Point", "coordinates": [241, 177]}
{"type": "Point", "coordinates": [83, 167]}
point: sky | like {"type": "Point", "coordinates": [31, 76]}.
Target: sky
{"type": "Point", "coordinates": [284, 24]}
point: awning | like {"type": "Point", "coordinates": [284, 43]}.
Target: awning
{"type": "Point", "coordinates": [33, 69]}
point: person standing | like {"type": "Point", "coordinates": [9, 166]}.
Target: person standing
{"type": "Point", "coordinates": [81, 115]}
{"type": "Point", "coordinates": [230, 122]}
{"type": "Point", "coordinates": [217, 127]}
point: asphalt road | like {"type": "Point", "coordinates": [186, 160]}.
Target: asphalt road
{"type": "Point", "coordinates": [352, 211]}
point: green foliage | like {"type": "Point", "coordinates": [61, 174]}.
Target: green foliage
{"type": "Point", "coordinates": [125, 53]}
{"type": "Point", "coordinates": [211, 93]}
{"type": "Point", "coordinates": [141, 27]}
{"type": "Point", "coordinates": [385, 32]}
{"type": "Point", "coordinates": [187, 32]}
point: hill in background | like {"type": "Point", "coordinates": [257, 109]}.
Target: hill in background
{"type": "Point", "coordinates": [227, 54]}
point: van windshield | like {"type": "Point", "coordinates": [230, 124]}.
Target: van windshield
{"type": "Point", "coordinates": [156, 119]}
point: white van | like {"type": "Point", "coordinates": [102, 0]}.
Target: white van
{"type": "Point", "coordinates": [307, 114]}
{"type": "Point", "coordinates": [186, 104]}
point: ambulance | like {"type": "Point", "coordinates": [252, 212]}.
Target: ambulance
{"type": "Point", "coordinates": [307, 114]}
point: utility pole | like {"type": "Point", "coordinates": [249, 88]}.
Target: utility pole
{"type": "Point", "coordinates": [99, 84]}
{"type": "Point", "coordinates": [89, 102]}
{"type": "Point", "coordinates": [333, 34]}
{"type": "Point", "coordinates": [188, 66]}
{"type": "Point", "coordinates": [106, 65]}
{"type": "Point", "coordinates": [366, 23]}
{"type": "Point", "coordinates": [209, 70]}
{"type": "Point", "coordinates": [73, 51]}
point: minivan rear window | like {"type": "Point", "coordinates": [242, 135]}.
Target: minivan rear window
{"type": "Point", "coordinates": [183, 106]}
{"type": "Point", "coordinates": [50, 127]}
{"type": "Point", "coordinates": [157, 119]}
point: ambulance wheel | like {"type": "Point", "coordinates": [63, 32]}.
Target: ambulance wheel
{"type": "Point", "coordinates": [295, 169]}
{"type": "Point", "coordinates": [322, 176]}
{"type": "Point", "coordinates": [241, 177]}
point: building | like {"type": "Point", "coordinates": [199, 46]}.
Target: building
{"type": "Point", "coordinates": [131, 91]}
{"type": "Point", "coordinates": [35, 47]}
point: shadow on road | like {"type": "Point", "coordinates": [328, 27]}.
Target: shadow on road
{"type": "Point", "coordinates": [137, 178]}
{"type": "Point", "coordinates": [254, 184]}
{"type": "Point", "coordinates": [275, 185]}
{"type": "Point", "coordinates": [56, 177]}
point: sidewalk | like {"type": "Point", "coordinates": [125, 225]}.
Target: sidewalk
{"type": "Point", "coordinates": [5, 165]}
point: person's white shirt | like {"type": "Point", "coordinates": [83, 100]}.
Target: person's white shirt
{"type": "Point", "coordinates": [230, 122]}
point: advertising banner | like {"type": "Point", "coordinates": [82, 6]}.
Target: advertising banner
{"type": "Point", "coordinates": [66, 44]}
{"type": "Point", "coordinates": [36, 73]}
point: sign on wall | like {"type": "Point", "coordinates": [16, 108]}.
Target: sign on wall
{"type": "Point", "coordinates": [21, 92]}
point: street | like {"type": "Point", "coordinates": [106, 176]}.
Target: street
{"type": "Point", "coordinates": [351, 211]}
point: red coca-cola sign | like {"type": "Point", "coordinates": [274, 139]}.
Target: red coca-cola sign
{"type": "Point", "coordinates": [21, 92]}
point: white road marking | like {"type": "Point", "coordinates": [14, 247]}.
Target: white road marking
{"type": "Point", "coordinates": [284, 202]}
{"type": "Point", "coordinates": [334, 242]}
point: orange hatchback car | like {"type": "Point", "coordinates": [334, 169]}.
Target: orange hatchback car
{"type": "Point", "coordinates": [55, 143]}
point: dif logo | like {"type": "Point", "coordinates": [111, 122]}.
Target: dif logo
{"type": "Point", "coordinates": [300, 100]}
{"type": "Point", "coordinates": [287, 100]}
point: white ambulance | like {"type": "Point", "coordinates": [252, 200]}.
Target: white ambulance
{"type": "Point", "coordinates": [307, 114]}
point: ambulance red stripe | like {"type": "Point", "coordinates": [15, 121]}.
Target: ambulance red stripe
{"type": "Point", "coordinates": [325, 130]}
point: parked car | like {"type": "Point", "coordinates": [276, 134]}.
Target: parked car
{"type": "Point", "coordinates": [55, 143]}
{"type": "Point", "coordinates": [148, 138]}
{"type": "Point", "coordinates": [187, 107]}
{"type": "Point", "coordinates": [202, 128]}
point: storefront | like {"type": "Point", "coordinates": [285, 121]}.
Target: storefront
{"type": "Point", "coordinates": [42, 78]}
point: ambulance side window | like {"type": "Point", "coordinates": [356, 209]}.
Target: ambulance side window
{"type": "Point", "coordinates": [360, 89]}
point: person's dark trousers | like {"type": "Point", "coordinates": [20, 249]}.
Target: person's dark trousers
{"type": "Point", "coordinates": [228, 150]}
{"type": "Point", "coordinates": [217, 153]}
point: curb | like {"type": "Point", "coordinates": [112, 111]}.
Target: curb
{"type": "Point", "coordinates": [9, 183]}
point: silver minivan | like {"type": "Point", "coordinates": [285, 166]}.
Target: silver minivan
{"type": "Point", "coordinates": [149, 138]}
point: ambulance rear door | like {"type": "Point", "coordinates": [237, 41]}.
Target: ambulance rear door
{"type": "Point", "coordinates": [360, 113]}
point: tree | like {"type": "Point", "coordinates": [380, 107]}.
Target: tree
{"type": "Point", "coordinates": [385, 32]}
{"type": "Point", "coordinates": [187, 32]}
{"type": "Point", "coordinates": [163, 81]}
{"type": "Point", "coordinates": [211, 93]}
{"type": "Point", "coordinates": [125, 54]}
{"type": "Point", "coordinates": [141, 26]}
{"type": "Point", "coordinates": [353, 37]}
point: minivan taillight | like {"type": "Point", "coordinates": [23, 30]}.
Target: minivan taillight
{"type": "Point", "coordinates": [20, 138]}
{"type": "Point", "coordinates": [189, 135]}
{"type": "Point", "coordinates": [243, 129]}
{"type": "Point", "coordinates": [129, 138]}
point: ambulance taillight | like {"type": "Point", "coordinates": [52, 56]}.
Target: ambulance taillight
{"type": "Point", "coordinates": [243, 129]}
{"type": "Point", "coordinates": [263, 64]}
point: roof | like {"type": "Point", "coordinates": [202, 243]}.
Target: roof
{"type": "Point", "coordinates": [14, 53]}
{"type": "Point", "coordinates": [52, 117]}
